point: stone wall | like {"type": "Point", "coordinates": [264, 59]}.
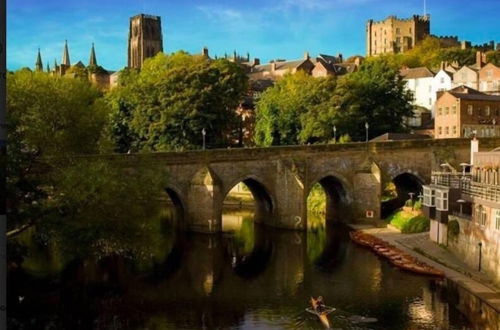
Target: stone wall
{"type": "Point", "coordinates": [466, 246]}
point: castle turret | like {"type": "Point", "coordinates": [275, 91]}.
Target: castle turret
{"type": "Point", "coordinates": [65, 58]}
{"type": "Point", "coordinates": [92, 59]}
{"type": "Point", "coordinates": [39, 65]}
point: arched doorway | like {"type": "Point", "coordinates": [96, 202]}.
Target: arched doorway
{"type": "Point", "coordinates": [327, 199]}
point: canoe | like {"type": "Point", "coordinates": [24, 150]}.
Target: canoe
{"type": "Point", "coordinates": [323, 315]}
{"type": "Point", "coordinates": [395, 256]}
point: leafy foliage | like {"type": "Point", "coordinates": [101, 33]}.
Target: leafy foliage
{"type": "Point", "coordinates": [408, 223]}
{"type": "Point", "coordinates": [174, 97]}
{"type": "Point", "coordinates": [296, 110]}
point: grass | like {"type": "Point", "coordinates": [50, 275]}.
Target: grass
{"type": "Point", "coordinates": [409, 221]}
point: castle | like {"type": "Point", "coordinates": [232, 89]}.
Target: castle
{"type": "Point", "coordinates": [395, 35]}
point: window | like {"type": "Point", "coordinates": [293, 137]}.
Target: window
{"type": "Point", "coordinates": [440, 130]}
{"type": "Point", "coordinates": [487, 110]}
{"type": "Point", "coordinates": [441, 200]}
{"type": "Point", "coordinates": [430, 101]}
{"type": "Point", "coordinates": [441, 80]}
{"type": "Point", "coordinates": [480, 215]}
{"type": "Point", "coordinates": [447, 111]}
{"type": "Point", "coordinates": [375, 33]}
{"type": "Point", "coordinates": [430, 88]}
{"type": "Point", "coordinates": [470, 109]}
{"type": "Point", "coordinates": [447, 130]}
{"type": "Point", "coordinates": [454, 109]}
{"type": "Point", "coordinates": [497, 220]}
{"type": "Point", "coordinates": [397, 31]}
{"type": "Point", "coordinates": [398, 40]}
{"type": "Point", "coordinates": [440, 111]}
{"type": "Point", "coordinates": [429, 197]}
{"type": "Point", "coordinates": [489, 73]}
{"type": "Point", "coordinates": [409, 30]}
{"type": "Point", "coordinates": [454, 130]}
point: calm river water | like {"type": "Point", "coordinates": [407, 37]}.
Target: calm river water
{"type": "Point", "coordinates": [249, 277]}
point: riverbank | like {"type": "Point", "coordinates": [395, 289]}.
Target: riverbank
{"type": "Point", "coordinates": [420, 247]}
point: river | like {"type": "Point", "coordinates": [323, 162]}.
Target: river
{"type": "Point", "coordinates": [249, 277]}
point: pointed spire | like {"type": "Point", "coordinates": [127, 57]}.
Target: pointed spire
{"type": "Point", "coordinates": [48, 67]}
{"type": "Point", "coordinates": [65, 58]}
{"type": "Point", "coordinates": [39, 65]}
{"type": "Point", "coordinates": [92, 60]}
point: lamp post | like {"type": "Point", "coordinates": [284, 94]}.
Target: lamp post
{"type": "Point", "coordinates": [411, 199]}
{"type": "Point", "coordinates": [480, 244]}
{"type": "Point", "coordinates": [334, 134]}
{"type": "Point", "coordinates": [461, 202]}
{"type": "Point", "coordinates": [366, 127]}
{"type": "Point", "coordinates": [203, 132]}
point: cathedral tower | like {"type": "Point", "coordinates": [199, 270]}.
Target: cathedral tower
{"type": "Point", "coordinates": [38, 64]}
{"type": "Point", "coordinates": [144, 39]}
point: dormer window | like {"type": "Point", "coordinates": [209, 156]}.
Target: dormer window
{"type": "Point", "coordinates": [442, 200]}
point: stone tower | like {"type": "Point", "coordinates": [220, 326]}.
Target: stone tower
{"type": "Point", "coordinates": [144, 39]}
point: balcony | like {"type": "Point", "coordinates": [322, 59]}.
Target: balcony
{"type": "Point", "coordinates": [449, 179]}
{"type": "Point", "coordinates": [465, 182]}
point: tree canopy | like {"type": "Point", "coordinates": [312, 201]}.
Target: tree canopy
{"type": "Point", "coordinates": [294, 110]}
{"type": "Point", "coordinates": [172, 99]}
{"type": "Point", "coordinates": [302, 109]}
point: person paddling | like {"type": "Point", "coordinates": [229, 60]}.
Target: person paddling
{"type": "Point", "coordinates": [320, 305]}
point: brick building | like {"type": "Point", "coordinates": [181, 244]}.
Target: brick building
{"type": "Point", "coordinates": [489, 79]}
{"type": "Point", "coordinates": [394, 35]}
{"type": "Point", "coordinates": [463, 110]}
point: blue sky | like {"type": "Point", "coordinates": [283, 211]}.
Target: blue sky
{"type": "Point", "coordinates": [266, 29]}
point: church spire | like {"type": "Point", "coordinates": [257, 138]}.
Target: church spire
{"type": "Point", "coordinates": [92, 60]}
{"type": "Point", "coordinates": [65, 58]}
{"type": "Point", "coordinates": [48, 67]}
{"type": "Point", "coordinates": [39, 65]}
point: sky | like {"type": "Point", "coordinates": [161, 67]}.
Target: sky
{"type": "Point", "coordinates": [266, 29]}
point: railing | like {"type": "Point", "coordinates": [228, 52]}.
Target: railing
{"type": "Point", "coordinates": [469, 187]}
{"type": "Point", "coordinates": [452, 180]}
{"type": "Point", "coordinates": [481, 190]}
{"type": "Point", "coordinates": [462, 215]}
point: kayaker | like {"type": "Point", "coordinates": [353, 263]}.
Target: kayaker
{"type": "Point", "coordinates": [320, 305]}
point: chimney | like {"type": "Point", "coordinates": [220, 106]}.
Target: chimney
{"type": "Point", "coordinates": [204, 51]}
{"type": "Point", "coordinates": [306, 56]}
{"type": "Point", "coordinates": [256, 61]}
{"type": "Point", "coordinates": [341, 58]}
{"type": "Point", "coordinates": [443, 65]}
{"type": "Point", "coordinates": [479, 59]}
{"type": "Point", "coordinates": [273, 66]}
{"type": "Point", "coordinates": [474, 147]}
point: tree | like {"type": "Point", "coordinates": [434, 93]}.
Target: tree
{"type": "Point", "coordinates": [174, 97]}
{"type": "Point", "coordinates": [55, 115]}
{"type": "Point", "coordinates": [46, 116]}
{"type": "Point", "coordinates": [375, 94]}
{"type": "Point", "coordinates": [493, 56]}
{"type": "Point", "coordinates": [296, 110]}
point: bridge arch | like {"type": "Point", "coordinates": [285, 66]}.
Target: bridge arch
{"type": "Point", "coordinates": [178, 205]}
{"type": "Point", "coordinates": [264, 201]}
{"type": "Point", "coordinates": [338, 194]}
{"type": "Point", "coordinates": [405, 182]}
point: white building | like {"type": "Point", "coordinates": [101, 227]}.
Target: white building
{"type": "Point", "coordinates": [420, 82]}
{"type": "Point", "coordinates": [442, 81]}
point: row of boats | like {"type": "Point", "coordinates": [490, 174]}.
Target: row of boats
{"type": "Point", "coordinates": [394, 255]}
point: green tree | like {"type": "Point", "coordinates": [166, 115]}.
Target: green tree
{"type": "Point", "coordinates": [295, 110]}
{"type": "Point", "coordinates": [493, 56]}
{"type": "Point", "coordinates": [174, 97]}
{"type": "Point", "coordinates": [52, 115]}
{"type": "Point", "coordinates": [376, 95]}
{"type": "Point", "coordinates": [46, 116]}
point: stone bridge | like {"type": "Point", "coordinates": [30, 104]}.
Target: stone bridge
{"type": "Point", "coordinates": [280, 178]}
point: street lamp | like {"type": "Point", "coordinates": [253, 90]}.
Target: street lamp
{"type": "Point", "coordinates": [334, 134]}
{"type": "Point", "coordinates": [203, 132]}
{"type": "Point", "coordinates": [366, 127]}
{"type": "Point", "coordinates": [411, 199]}
{"type": "Point", "coordinates": [461, 202]}
{"type": "Point", "coordinates": [464, 165]}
